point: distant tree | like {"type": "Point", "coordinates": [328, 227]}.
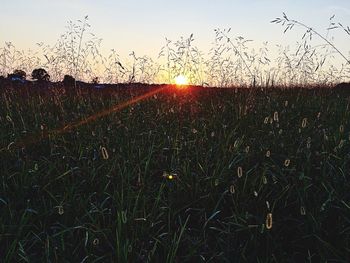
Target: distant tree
{"type": "Point", "coordinates": [68, 81]}
{"type": "Point", "coordinates": [17, 75]}
{"type": "Point", "coordinates": [40, 74]}
{"type": "Point", "coordinates": [95, 80]}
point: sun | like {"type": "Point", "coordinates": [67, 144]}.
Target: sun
{"type": "Point", "coordinates": [181, 80]}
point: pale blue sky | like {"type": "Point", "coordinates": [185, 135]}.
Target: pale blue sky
{"type": "Point", "coordinates": [142, 25]}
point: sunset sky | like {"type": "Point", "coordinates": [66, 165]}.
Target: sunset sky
{"type": "Point", "coordinates": [141, 26]}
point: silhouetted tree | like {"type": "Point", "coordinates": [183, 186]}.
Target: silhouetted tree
{"type": "Point", "coordinates": [18, 74]}
{"type": "Point", "coordinates": [40, 74]}
{"type": "Point", "coordinates": [68, 81]}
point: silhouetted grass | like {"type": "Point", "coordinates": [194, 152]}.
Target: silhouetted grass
{"type": "Point", "coordinates": [231, 61]}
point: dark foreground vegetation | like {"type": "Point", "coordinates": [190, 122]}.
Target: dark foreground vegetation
{"type": "Point", "coordinates": [183, 175]}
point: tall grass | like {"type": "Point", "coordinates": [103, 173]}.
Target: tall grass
{"type": "Point", "coordinates": [190, 175]}
{"type": "Point", "coordinates": [231, 61]}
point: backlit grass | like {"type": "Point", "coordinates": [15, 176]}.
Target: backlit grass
{"type": "Point", "coordinates": [185, 175]}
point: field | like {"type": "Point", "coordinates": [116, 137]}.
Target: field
{"type": "Point", "coordinates": [177, 175]}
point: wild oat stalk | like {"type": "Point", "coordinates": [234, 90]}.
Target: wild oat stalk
{"type": "Point", "coordinates": [290, 23]}
{"type": "Point", "coordinates": [236, 48]}
{"type": "Point", "coordinates": [182, 58]}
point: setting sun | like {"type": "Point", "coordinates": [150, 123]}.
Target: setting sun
{"type": "Point", "coordinates": [181, 80]}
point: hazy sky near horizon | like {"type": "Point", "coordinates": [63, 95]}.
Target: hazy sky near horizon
{"type": "Point", "coordinates": [142, 25]}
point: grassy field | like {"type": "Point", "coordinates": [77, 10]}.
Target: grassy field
{"type": "Point", "coordinates": [182, 175]}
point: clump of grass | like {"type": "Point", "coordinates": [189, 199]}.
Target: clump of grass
{"type": "Point", "coordinates": [312, 58]}
{"type": "Point", "coordinates": [182, 58]}
{"type": "Point", "coordinates": [76, 52]}
{"type": "Point", "coordinates": [290, 23]}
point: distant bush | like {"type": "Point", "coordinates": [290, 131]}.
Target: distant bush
{"type": "Point", "coordinates": [95, 80]}
{"type": "Point", "coordinates": [68, 81]}
{"type": "Point", "coordinates": [17, 75]}
{"type": "Point", "coordinates": [40, 74]}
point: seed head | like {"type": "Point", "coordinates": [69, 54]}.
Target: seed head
{"type": "Point", "coordinates": [269, 221]}
{"type": "Point", "coordinates": [304, 123]}
{"type": "Point", "coordinates": [232, 189]}
{"type": "Point", "coordinates": [239, 172]}
{"type": "Point", "coordinates": [104, 152]}
{"type": "Point", "coordinates": [216, 182]}
{"type": "Point", "coordinates": [264, 179]}
{"type": "Point", "coordinates": [96, 241]}
{"type": "Point", "coordinates": [60, 210]}
{"type": "Point", "coordinates": [286, 162]}
{"type": "Point", "coordinates": [8, 118]}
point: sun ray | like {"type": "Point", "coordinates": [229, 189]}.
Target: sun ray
{"type": "Point", "coordinates": [73, 125]}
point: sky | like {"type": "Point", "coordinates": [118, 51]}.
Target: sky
{"type": "Point", "coordinates": [142, 25]}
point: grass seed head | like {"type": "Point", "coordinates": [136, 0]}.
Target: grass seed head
{"type": "Point", "coordinates": [286, 162]}
{"type": "Point", "coordinates": [60, 210]}
{"type": "Point", "coordinates": [264, 179]}
{"type": "Point", "coordinates": [239, 172]}
{"type": "Point", "coordinates": [8, 118]}
{"type": "Point", "coordinates": [232, 189]}
{"type": "Point", "coordinates": [269, 221]}
{"type": "Point", "coordinates": [104, 152]}
{"type": "Point", "coordinates": [95, 242]}
{"type": "Point", "coordinates": [216, 182]}
{"type": "Point", "coordinates": [304, 123]}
